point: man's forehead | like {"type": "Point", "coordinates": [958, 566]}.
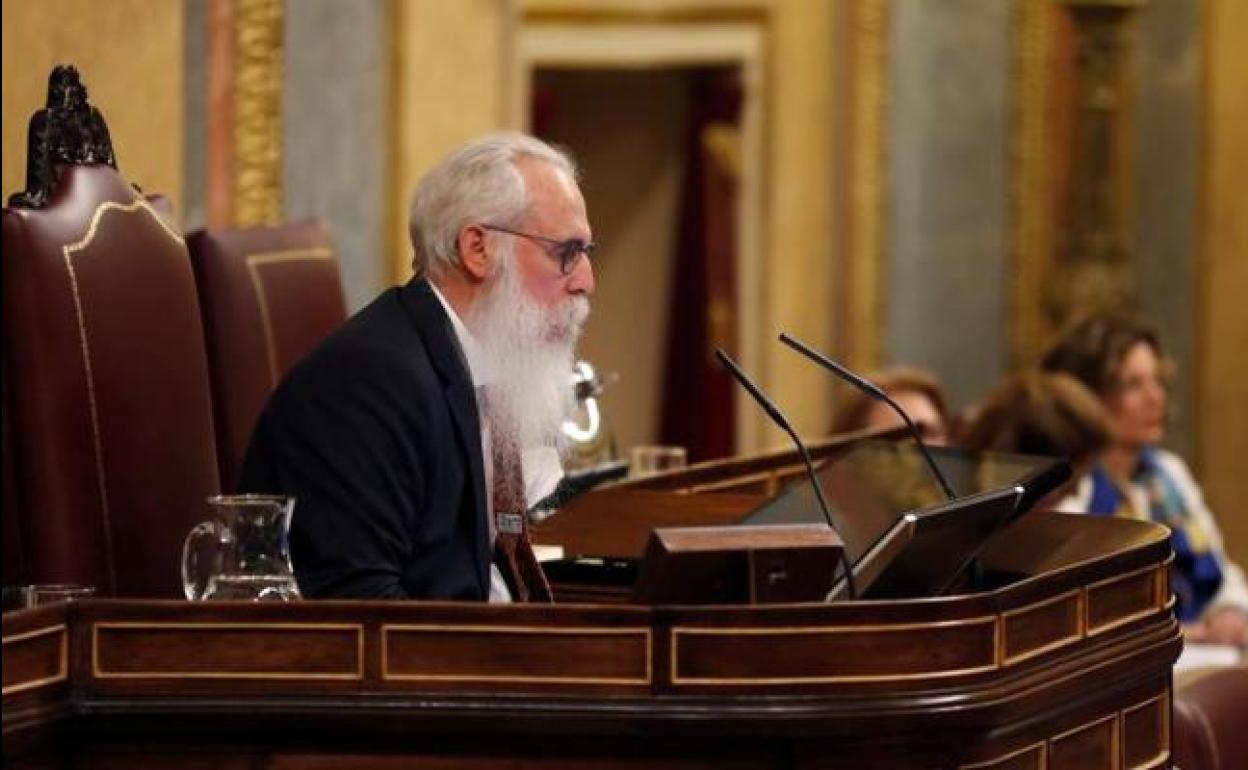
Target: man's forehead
{"type": "Point", "coordinates": [552, 191]}
{"type": "Point", "coordinates": [540, 173]}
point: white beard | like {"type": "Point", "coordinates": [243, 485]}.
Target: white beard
{"type": "Point", "coordinates": [531, 351]}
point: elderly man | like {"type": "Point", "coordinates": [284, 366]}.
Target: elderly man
{"type": "Point", "coordinates": [417, 435]}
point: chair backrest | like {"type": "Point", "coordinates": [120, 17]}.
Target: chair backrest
{"type": "Point", "coordinates": [268, 296]}
{"type": "Point", "coordinates": [12, 555]}
{"type": "Point", "coordinates": [1208, 712]}
{"type": "Point", "coordinates": [107, 377]}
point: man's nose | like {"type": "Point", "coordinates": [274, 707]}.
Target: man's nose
{"type": "Point", "coordinates": [581, 279]}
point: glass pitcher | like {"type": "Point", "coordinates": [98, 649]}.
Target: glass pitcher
{"type": "Point", "coordinates": [242, 552]}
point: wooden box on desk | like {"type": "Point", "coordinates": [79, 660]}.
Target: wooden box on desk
{"type": "Point", "coordinates": [772, 564]}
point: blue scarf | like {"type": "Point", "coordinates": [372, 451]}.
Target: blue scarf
{"type": "Point", "coordinates": [1196, 575]}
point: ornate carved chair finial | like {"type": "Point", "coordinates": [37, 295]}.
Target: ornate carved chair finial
{"type": "Point", "coordinates": [66, 131]}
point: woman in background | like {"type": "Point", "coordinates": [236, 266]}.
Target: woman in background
{"type": "Point", "coordinates": [1121, 361]}
{"type": "Point", "coordinates": [916, 392]}
{"type": "Point", "coordinates": [1050, 414]}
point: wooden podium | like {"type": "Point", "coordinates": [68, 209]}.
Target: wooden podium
{"type": "Point", "coordinates": [1067, 664]}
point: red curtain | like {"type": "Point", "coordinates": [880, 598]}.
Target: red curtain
{"type": "Point", "coordinates": [697, 394]}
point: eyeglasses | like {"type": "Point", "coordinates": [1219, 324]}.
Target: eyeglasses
{"type": "Point", "coordinates": [568, 252]}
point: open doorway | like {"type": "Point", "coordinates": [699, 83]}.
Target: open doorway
{"type": "Point", "coordinates": [622, 94]}
{"type": "Point", "coordinates": [659, 150]}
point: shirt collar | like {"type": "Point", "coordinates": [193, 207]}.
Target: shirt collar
{"type": "Point", "coordinates": [479, 367]}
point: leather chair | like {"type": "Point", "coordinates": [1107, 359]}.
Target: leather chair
{"type": "Point", "coordinates": [107, 378]}
{"type": "Point", "coordinates": [12, 557]}
{"type": "Point", "coordinates": [268, 296]}
{"type": "Point", "coordinates": [1211, 718]}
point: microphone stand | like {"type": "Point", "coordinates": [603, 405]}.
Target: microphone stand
{"type": "Point", "coordinates": [777, 417]}
{"type": "Point", "coordinates": [878, 394]}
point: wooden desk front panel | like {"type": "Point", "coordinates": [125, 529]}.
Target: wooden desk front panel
{"type": "Point", "coordinates": [1070, 669]}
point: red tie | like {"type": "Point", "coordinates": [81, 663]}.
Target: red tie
{"type": "Point", "coordinates": [513, 551]}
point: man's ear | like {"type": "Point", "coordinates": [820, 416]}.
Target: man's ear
{"type": "Point", "coordinates": [472, 252]}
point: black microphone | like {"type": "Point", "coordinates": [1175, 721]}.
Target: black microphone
{"type": "Point", "coordinates": [875, 392]}
{"type": "Point", "coordinates": [773, 412]}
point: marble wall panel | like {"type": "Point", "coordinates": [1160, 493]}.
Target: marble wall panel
{"type": "Point", "coordinates": [335, 124]}
{"type": "Point", "coordinates": [944, 288]}
{"type": "Point", "coordinates": [195, 112]}
{"type": "Point", "coordinates": [1167, 122]}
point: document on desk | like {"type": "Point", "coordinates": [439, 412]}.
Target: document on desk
{"type": "Point", "coordinates": [547, 552]}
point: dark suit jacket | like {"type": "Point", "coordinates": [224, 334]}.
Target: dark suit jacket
{"type": "Point", "coordinates": [377, 436]}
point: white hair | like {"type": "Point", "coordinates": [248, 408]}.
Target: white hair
{"type": "Point", "coordinates": [479, 182]}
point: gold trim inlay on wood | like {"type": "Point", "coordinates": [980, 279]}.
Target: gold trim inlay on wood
{"type": "Point", "coordinates": [1043, 758]}
{"type": "Point", "coordinates": [681, 631]}
{"type": "Point", "coordinates": [1163, 755]}
{"type": "Point", "coordinates": [257, 129]}
{"type": "Point", "coordinates": [62, 664]}
{"type": "Point", "coordinates": [1079, 633]}
{"type": "Point", "coordinates": [256, 261]}
{"type": "Point", "coordinates": [1156, 604]}
{"type": "Point", "coordinates": [1117, 746]}
{"type": "Point", "coordinates": [99, 673]}
{"type": "Point", "coordinates": [1115, 735]}
{"type": "Point", "coordinates": [622, 631]}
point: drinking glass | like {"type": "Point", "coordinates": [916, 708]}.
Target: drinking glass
{"type": "Point", "coordinates": [651, 459]}
{"type": "Point", "coordinates": [50, 593]}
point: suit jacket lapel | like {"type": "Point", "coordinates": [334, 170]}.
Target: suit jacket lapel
{"type": "Point", "coordinates": [435, 329]}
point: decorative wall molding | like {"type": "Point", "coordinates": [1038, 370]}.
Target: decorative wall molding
{"type": "Point", "coordinates": [865, 160]}
{"type": "Point", "coordinates": [1072, 177]}
{"type": "Point", "coordinates": [257, 178]}
{"type": "Point", "coordinates": [245, 75]}
{"type": "Point", "coordinates": [1032, 240]}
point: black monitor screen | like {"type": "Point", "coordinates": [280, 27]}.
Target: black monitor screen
{"type": "Point", "coordinates": [872, 483]}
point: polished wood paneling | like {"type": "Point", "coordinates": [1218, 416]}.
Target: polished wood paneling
{"type": "Point", "coordinates": [959, 681]}
{"type": "Point", "coordinates": [1034, 757]}
{"type": "Point", "coordinates": [618, 522]}
{"type": "Point", "coordinates": [1123, 598]}
{"type": "Point", "coordinates": [35, 658]}
{"type": "Point", "coordinates": [824, 655]}
{"type": "Point", "coordinates": [1043, 626]}
{"type": "Point", "coordinates": [1093, 746]}
{"type": "Point", "coordinates": [506, 655]}
{"type": "Point", "coordinates": [213, 650]}
{"type": "Point", "coordinates": [1144, 728]}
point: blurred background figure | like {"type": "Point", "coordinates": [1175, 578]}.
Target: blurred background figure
{"type": "Point", "coordinates": [917, 392]}
{"type": "Point", "coordinates": [1050, 414]}
{"type": "Point", "coordinates": [1121, 360]}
